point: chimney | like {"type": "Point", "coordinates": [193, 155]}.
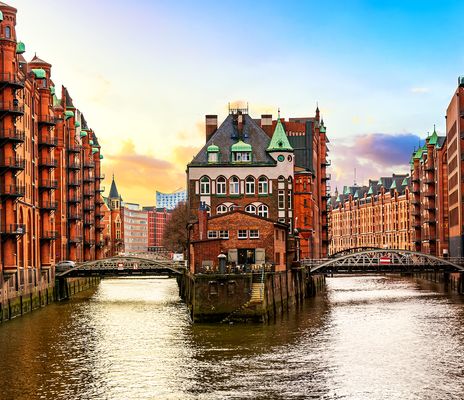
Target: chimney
{"type": "Point", "coordinates": [266, 124]}
{"type": "Point", "coordinates": [203, 221]}
{"type": "Point", "coordinates": [211, 125]}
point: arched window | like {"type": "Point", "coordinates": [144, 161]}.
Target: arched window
{"type": "Point", "coordinates": [250, 185]}
{"type": "Point", "coordinates": [205, 187]}
{"type": "Point", "coordinates": [7, 32]}
{"type": "Point", "coordinates": [221, 209]}
{"type": "Point", "coordinates": [263, 211]}
{"type": "Point", "coordinates": [263, 185]}
{"type": "Point", "coordinates": [281, 178]}
{"type": "Point", "coordinates": [221, 185]}
{"type": "Point", "coordinates": [234, 185]}
{"type": "Point", "coordinates": [250, 208]}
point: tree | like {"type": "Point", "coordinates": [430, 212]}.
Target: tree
{"type": "Point", "coordinates": [175, 232]}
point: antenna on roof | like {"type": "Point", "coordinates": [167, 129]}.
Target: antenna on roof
{"type": "Point", "coordinates": [355, 177]}
{"type": "Point", "coordinates": [278, 113]}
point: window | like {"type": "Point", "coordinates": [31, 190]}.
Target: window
{"type": "Point", "coordinates": [204, 185]}
{"type": "Point", "coordinates": [221, 185]}
{"type": "Point", "coordinates": [213, 157]}
{"type": "Point", "coordinates": [250, 185]}
{"type": "Point", "coordinates": [8, 32]}
{"type": "Point", "coordinates": [221, 209]}
{"type": "Point", "coordinates": [281, 200]}
{"type": "Point", "coordinates": [241, 157]}
{"type": "Point", "coordinates": [224, 234]}
{"type": "Point", "coordinates": [289, 200]}
{"type": "Point", "coordinates": [262, 185]}
{"type": "Point", "coordinates": [263, 211]}
{"type": "Point", "coordinates": [234, 185]}
{"type": "Point", "coordinates": [250, 208]}
{"type": "Point", "coordinates": [212, 234]}
{"type": "Point", "coordinates": [242, 234]}
{"type": "Point", "coordinates": [254, 234]}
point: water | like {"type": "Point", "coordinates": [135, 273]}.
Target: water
{"type": "Point", "coordinates": [366, 338]}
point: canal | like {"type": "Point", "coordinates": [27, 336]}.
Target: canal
{"type": "Point", "coordinates": [365, 338]}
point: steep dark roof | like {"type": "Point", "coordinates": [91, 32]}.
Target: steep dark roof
{"type": "Point", "coordinates": [68, 99]}
{"type": "Point", "coordinates": [83, 122]}
{"type": "Point", "coordinates": [114, 194]}
{"type": "Point", "coordinates": [38, 61]}
{"type": "Point", "coordinates": [226, 136]}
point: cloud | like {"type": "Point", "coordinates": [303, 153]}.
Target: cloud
{"type": "Point", "coordinates": [420, 90]}
{"type": "Point", "coordinates": [138, 176]}
{"type": "Point", "coordinates": [372, 155]}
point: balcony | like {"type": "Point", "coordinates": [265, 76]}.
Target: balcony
{"type": "Point", "coordinates": [11, 107]}
{"type": "Point", "coordinates": [75, 239]}
{"type": "Point", "coordinates": [13, 229]}
{"type": "Point", "coordinates": [89, 242]}
{"type": "Point", "coordinates": [89, 221]}
{"type": "Point", "coordinates": [429, 181]}
{"type": "Point", "coordinates": [12, 163]}
{"type": "Point", "coordinates": [74, 216]}
{"type": "Point", "coordinates": [431, 221]}
{"type": "Point", "coordinates": [49, 235]}
{"type": "Point", "coordinates": [429, 193]}
{"type": "Point", "coordinates": [48, 141]}
{"type": "Point", "coordinates": [46, 162]}
{"type": "Point", "coordinates": [416, 225]}
{"type": "Point", "coordinates": [49, 205]}
{"type": "Point", "coordinates": [415, 201]}
{"type": "Point", "coordinates": [100, 243]}
{"type": "Point", "coordinates": [415, 178]}
{"type": "Point", "coordinates": [74, 182]}
{"type": "Point", "coordinates": [100, 189]}
{"type": "Point", "coordinates": [47, 120]}
{"type": "Point", "coordinates": [12, 135]}
{"type": "Point", "coordinates": [326, 163]}
{"type": "Point", "coordinates": [89, 192]}
{"type": "Point", "coordinates": [12, 191]}
{"type": "Point", "coordinates": [100, 177]}
{"type": "Point", "coordinates": [12, 80]}
{"type": "Point", "coordinates": [326, 177]}
{"type": "Point", "coordinates": [99, 215]}
{"type": "Point", "coordinates": [74, 199]}
{"type": "Point", "coordinates": [415, 213]}
{"type": "Point", "coordinates": [99, 225]}
{"type": "Point", "coordinates": [74, 148]}
{"type": "Point", "coordinates": [74, 165]}
{"type": "Point", "coordinates": [89, 164]}
{"type": "Point", "coordinates": [88, 178]}
{"type": "Point", "coordinates": [429, 167]}
{"type": "Point", "coordinates": [89, 206]}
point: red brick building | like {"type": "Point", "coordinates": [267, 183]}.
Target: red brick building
{"type": "Point", "coordinates": [455, 150]}
{"type": "Point", "coordinates": [157, 220]}
{"type": "Point", "coordinates": [245, 240]}
{"type": "Point", "coordinates": [50, 172]}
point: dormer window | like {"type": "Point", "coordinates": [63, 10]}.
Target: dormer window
{"type": "Point", "coordinates": [241, 152]}
{"type": "Point", "coordinates": [241, 157]}
{"type": "Point", "coordinates": [213, 153]}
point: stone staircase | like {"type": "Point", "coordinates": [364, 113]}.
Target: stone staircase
{"type": "Point", "coordinates": [257, 293]}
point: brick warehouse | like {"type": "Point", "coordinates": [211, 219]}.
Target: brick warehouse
{"type": "Point", "coordinates": [255, 166]}
{"type": "Point", "coordinates": [50, 192]}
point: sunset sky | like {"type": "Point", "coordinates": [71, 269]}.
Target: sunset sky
{"type": "Point", "coordinates": [146, 74]}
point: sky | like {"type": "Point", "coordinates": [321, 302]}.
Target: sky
{"type": "Point", "coordinates": [145, 73]}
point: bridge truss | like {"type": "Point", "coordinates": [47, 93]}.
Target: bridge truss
{"type": "Point", "coordinates": [124, 266]}
{"type": "Point", "coordinates": [382, 261]}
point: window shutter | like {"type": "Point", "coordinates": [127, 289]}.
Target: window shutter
{"type": "Point", "coordinates": [260, 256]}
{"type": "Point", "coordinates": [232, 255]}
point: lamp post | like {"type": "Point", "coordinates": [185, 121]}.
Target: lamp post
{"type": "Point", "coordinates": [222, 263]}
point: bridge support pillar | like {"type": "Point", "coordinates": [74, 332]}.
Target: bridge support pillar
{"type": "Point", "coordinates": [461, 283]}
{"type": "Point", "coordinates": [446, 280]}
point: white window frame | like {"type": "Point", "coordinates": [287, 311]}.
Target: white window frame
{"type": "Point", "coordinates": [281, 200]}
{"type": "Point", "coordinates": [253, 234]}
{"type": "Point", "coordinates": [263, 185]}
{"type": "Point", "coordinates": [234, 185]}
{"type": "Point", "coordinates": [221, 209]}
{"type": "Point", "coordinates": [205, 183]}
{"type": "Point", "coordinates": [263, 211]}
{"type": "Point", "coordinates": [251, 209]}
{"type": "Point", "coordinates": [250, 185]}
{"type": "Point", "coordinates": [212, 234]}
{"type": "Point", "coordinates": [242, 234]}
{"type": "Point", "coordinates": [221, 183]}
{"type": "Point", "coordinates": [224, 234]}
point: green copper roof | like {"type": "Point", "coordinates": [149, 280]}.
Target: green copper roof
{"type": "Point", "coordinates": [338, 198]}
{"type": "Point", "coordinates": [91, 142]}
{"type": "Point", "coordinates": [356, 195]}
{"type": "Point", "coordinates": [393, 185]}
{"type": "Point", "coordinates": [39, 73]}
{"type": "Point", "coordinates": [52, 90]}
{"type": "Point", "coordinates": [56, 101]}
{"type": "Point", "coordinates": [434, 138]}
{"type": "Point", "coordinates": [419, 153]}
{"type": "Point", "coordinates": [241, 146]}
{"type": "Point", "coordinates": [405, 182]}
{"type": "Point", "coordinates": [94, 150]}
{"type": "Point", "coordinates": [101, 156]}
{"type": "Point", "coordinates": [1, 16]}
{"type": "Point", "coordinates": [68, 114]}
{"type": "Point", "coordinates": [279, 141]}
{"type": "Point", "coordinates": [83, 133]}
{"type": "Point", "coordinates": [371, 190]}
{"type": "Point", "coordinates": [20, 48]}
{"type": "Point", "coordinates": [346, 190]}
{"type": "Point", "coordinates": [213, 148]}
{"type": "Point", "coordinates": [77, 124]}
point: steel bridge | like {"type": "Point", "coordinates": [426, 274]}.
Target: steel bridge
{"type": "Point", "coordinates": [124, 266]}
{"type": "Point", "coordinates": [383, 261]}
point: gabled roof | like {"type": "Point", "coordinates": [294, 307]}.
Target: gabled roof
{"type": "Point", "coordinates": [226, 135]}
{"type": "Point", "coordinates": [39, 61]}
{"type": "Point", "coordinates": [68, 99]}
{"type": "Point", "coordinates": [114, 194]}
{"type": "Point", "coordinates": [279, 141]}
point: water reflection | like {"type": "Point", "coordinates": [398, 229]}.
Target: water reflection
{"type": "Point", "coordinates": [366, 338]}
